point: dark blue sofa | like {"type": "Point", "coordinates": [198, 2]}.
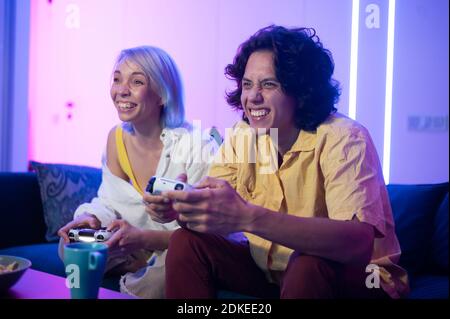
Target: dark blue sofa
{"type": "Point", "coordinates": [420, 211]}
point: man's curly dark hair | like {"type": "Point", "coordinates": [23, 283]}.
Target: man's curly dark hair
{"type": "Point", "coordinates": [303, 67]}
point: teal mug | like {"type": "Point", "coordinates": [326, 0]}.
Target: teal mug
{"type": "Point", "coordinates": [85, 265]}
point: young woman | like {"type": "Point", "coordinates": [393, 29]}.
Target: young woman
{"type": "Point", "coordinates": [153, 139]}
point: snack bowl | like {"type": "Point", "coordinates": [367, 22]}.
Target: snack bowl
{"type": "Point", "coordinates": [11, 270]}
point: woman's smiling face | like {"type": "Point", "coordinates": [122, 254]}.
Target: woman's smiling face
{"type": "Point", "coordinates": [132, 93]}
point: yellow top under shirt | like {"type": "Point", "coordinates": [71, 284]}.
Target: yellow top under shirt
{"type": "Point", "coordinates": [123, 159]}
{"type": "Point", "coordinates": [331, 173]}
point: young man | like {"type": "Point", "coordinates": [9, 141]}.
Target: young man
{"type": "Point", "coordinates": [319, 225]}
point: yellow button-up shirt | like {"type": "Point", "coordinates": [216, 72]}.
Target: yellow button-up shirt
{"type": "Point", "coordinates": [333, 173]}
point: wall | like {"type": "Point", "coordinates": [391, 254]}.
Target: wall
{"type": "Point", "coordinates": [20, 116]}
{"type": "Point", "coordinates": [74, 43]}
{"type": "Point", "coordinates": [14, 49]}
{"type": "Point", "coordinates": [419, 148]}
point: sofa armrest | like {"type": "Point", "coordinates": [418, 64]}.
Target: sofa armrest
{"type": "Point", "coordinates": [21, 213]}
{"type": "Point", "coordinates": [414, 208]}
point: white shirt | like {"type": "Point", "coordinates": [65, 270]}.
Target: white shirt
{"type": "Point", "coordinates": [184, 151]}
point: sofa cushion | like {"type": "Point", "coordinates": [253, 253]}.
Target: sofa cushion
{"type": "Point", "coordinates": [63, 188]}
{"type": "Point", "coordinates": [414, 208]}
{"type": "Point", "coordinates": [429, 287]}
{"type": "Point", "coordinates": [439, 241]}
{"type": "Point", "coordinates": [21, 216]}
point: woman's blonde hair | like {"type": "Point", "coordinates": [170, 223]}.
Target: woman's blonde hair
{"type": "Point", "coordinates": [160, 69]}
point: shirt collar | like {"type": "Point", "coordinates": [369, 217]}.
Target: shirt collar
{"type": "Point", "coordinates": [306, 141]}
{"type": "Point", "coordinates": [172, 134]}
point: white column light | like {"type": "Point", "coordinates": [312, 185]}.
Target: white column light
{"type": "Point", "coordinates": [388, 96]}
{"type": "Point", "coordinates": [354, 60]}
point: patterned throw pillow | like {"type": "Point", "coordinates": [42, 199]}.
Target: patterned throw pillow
{"type": "Point", "coordinates": [63, 188]}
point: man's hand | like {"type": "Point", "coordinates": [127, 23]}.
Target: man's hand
{"type": "Point", "coordinates": [214, 207]}
{"type": "Point", "coordinates": [160, 208]}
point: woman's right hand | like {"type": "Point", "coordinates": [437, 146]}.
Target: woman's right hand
{"type": "Point", "coordinates": [160, 208]}
{"type": "Point", "coordinates": [84, 220]}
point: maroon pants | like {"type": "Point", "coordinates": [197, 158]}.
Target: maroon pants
{"type": "Point", "coordinates": [197, 265]}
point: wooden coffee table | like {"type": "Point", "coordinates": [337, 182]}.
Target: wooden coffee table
{"type": "Point", "coordinates": [40, 285]}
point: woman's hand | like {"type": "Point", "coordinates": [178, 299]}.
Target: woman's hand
{"type": "Point", "coordinates": [160, 208]}
{"type": "Point", "coordinates": [126, 238]}
{"type": "Point", "coordinates": [214, 207]}
{"type": "Point", "coordinates": [84, 220]}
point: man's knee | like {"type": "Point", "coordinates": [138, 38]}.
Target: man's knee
{"type": "Point", "coordinates": [310, 265]}
{"type": "Point", "coordinates": [178, 237]}
{"type": "Point", "coordinates": [308, 277]}
{"type": "Point", "coordinates": [182, 243]}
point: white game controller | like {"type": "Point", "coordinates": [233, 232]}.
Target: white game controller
{"type": "Point", "coordinates": [89, 235]}
{"type": "Point", "coordinates": [156, 185]}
